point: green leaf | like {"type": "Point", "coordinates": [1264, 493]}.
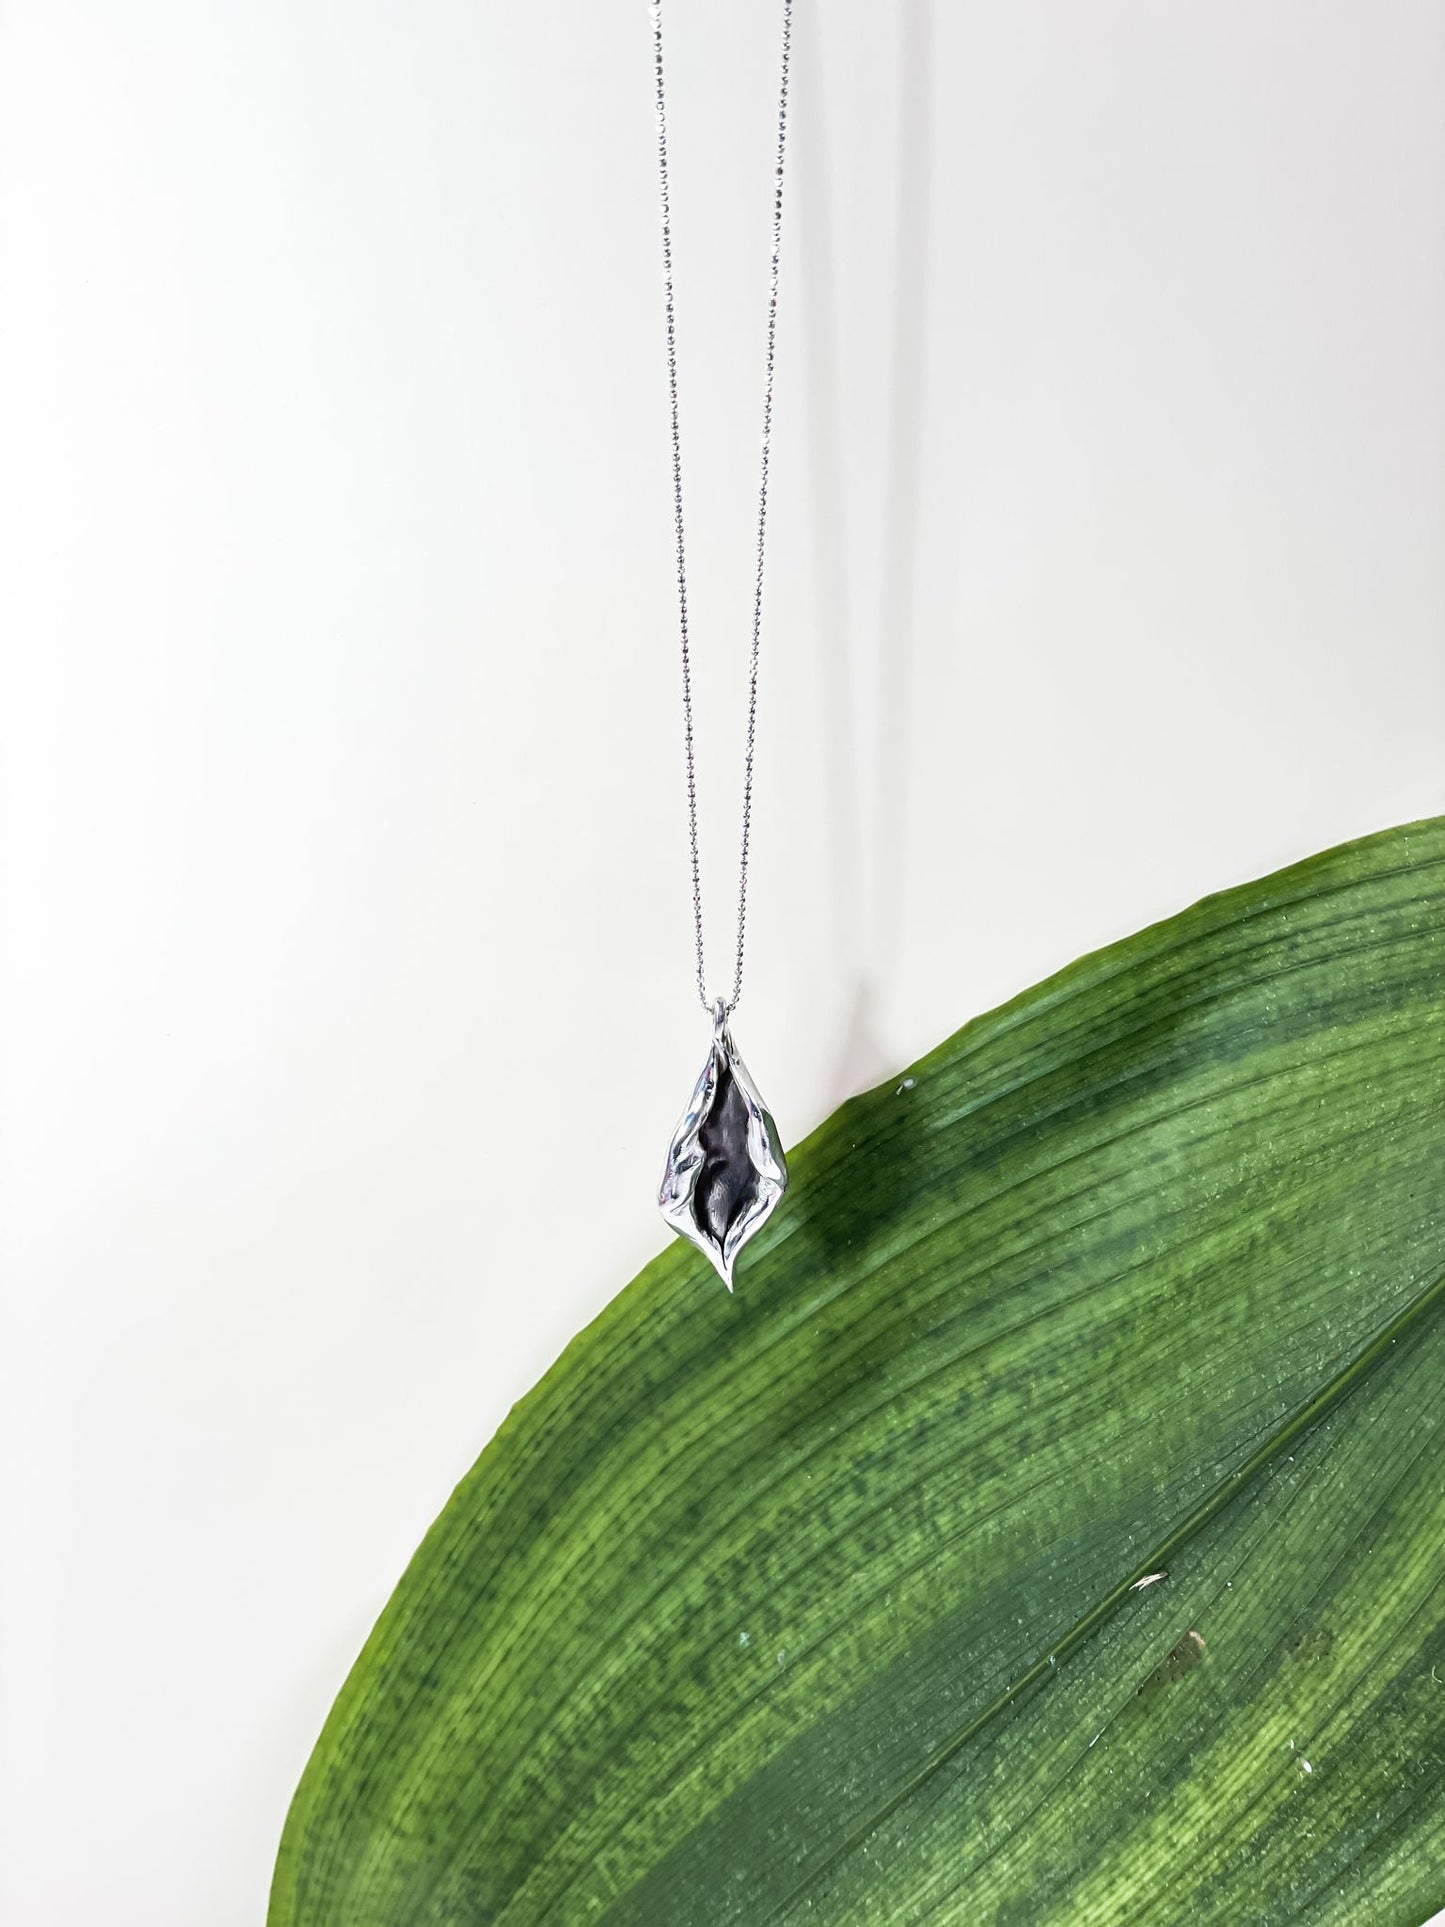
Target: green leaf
{"type": "Point", "coordinates": [839, 1600]}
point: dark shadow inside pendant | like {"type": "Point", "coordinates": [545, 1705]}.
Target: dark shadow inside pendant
{"type": "Point", "coordinates": [727, 1182]}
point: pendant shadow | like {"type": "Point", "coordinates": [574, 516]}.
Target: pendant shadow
{"type": "Point", "coordinates": [866, 855]}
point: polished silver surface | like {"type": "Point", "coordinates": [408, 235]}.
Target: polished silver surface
{"type": "Point", "coordinates": [737, 990]}
{"type": "Point", "coordinates": [725, 1170]}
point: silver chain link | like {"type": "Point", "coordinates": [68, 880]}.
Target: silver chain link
{"type": "Point", "coordinates": [732, 1002]}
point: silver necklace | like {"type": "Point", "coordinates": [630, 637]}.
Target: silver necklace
{"type": "Point", "coordinates": [725, 1170]}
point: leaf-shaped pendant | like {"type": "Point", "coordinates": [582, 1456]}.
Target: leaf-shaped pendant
{"type": "Point", "coordinates": [725, 1170]}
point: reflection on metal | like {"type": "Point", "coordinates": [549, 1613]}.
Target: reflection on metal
{"type": "Point", "coordinates": [725, 1170]}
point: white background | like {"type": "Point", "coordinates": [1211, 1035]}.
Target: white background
{"type": "Point", "coordinates": [347, 1003]}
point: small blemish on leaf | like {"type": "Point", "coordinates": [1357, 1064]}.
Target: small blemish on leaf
{"type": "Point", "coordinates": [908, 1084]}
{"type": "Point", "coordinates": [1179, 1660]}
{"type": "Point", "coordinates": [1149, 1579]}
{"type": "Point", "coordinates": [1314, 1645]}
